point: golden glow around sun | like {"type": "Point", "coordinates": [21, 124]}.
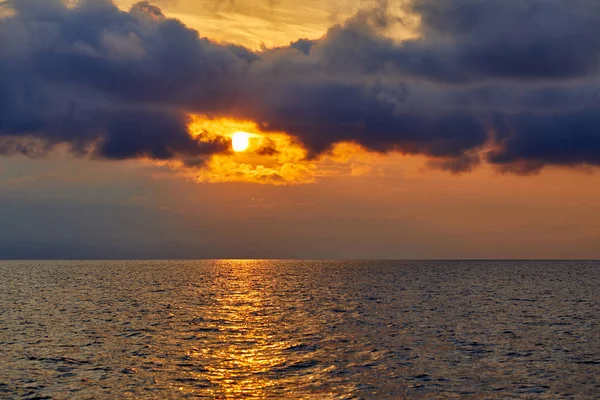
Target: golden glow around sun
{"type": "Point", "coordinates": [267, 157]}
{"type": "Point", "coordinates": [240, 141]}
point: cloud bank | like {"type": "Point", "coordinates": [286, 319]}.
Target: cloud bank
{"type": "Point", "coordinates": [512, 84]}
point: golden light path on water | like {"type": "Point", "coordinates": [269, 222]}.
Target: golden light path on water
{"type": "Point", "coordinates": [260, 352]}
{"type": "Point", "coordinates": [248, 346]}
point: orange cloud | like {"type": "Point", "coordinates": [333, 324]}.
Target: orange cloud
{"type": "Point", "coordinates": [271, 158]}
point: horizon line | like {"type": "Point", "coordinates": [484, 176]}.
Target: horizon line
{"type": "Point", "coordinates": [299, 259]}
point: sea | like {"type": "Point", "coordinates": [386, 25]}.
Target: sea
{"type": "Point", "coordinates": [235, 329]}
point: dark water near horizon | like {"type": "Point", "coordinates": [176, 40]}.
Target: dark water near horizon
{"type": "Point", "coordinates": [299, 329]}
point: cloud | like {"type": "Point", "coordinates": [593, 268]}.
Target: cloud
{"type": "Point", "coordinates": [94, 76]}
{"type": "Point", "coordinates": [514, 85]}
{"type": "Point", "coordinates": [530, 40]}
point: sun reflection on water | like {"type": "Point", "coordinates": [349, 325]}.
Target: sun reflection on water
{"type": "Point", "coordinates": [245, 313]}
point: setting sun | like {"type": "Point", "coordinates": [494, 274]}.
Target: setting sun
{"type": "Point", "coordinates": [240, 141]}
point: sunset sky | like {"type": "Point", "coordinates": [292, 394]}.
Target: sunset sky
{"type": "Point", "coordinates": [376, 129]}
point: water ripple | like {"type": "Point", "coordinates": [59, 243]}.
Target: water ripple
{"type": "Point", "coordinates": [287, 329]}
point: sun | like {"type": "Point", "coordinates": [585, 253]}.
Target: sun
{"type": "Point", "coordinates": [240, 141]}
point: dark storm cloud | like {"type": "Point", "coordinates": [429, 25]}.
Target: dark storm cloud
{"type": "Point", "coordinates": [514, 83]}
{"type": "Point", "coordinates": [121, 81]}
{"type": "Point", "coordinates": [568, 138]}
{"type": "Point", "coordinates": [324, 113]}
{"type": "Point", "coordinates": [532, 39]}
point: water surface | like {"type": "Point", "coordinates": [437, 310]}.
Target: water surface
{"type": "Point", "coordinates": [299, 329]}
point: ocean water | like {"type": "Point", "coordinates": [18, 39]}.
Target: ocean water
{"type": "Point", "coordinates": [299, 329]}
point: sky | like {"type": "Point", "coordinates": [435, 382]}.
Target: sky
{"type": "Point", "coordinates": [408, 129]}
